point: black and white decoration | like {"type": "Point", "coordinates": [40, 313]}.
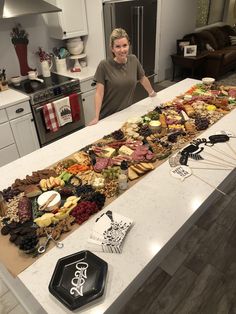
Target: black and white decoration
{"type": "Point", "coordinates": [109, 232]}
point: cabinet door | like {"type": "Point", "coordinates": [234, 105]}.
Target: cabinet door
{"type": "Point", "coordinates": [3, 116]}
{"type": "Point", "coordinates": [25, 134]}
{"type": "Point", "coordinates": [71, 22]}
{"type": "Point", "coordinates": [8, 154]}
{"type": "Point", "coordinates": [6, 137]}
{"type": "Point", "coordinates": [88, 106]}
{"type": "Point", "coordinates": [74, 18]}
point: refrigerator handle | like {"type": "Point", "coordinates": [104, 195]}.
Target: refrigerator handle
{"type": "Point", "coordinates": [141, 8]}
{"type": "Point", "coordinates": [113, 19]}
{"type": "Point", "coordinates": [137, 13]}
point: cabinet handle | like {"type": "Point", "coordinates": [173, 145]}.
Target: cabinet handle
{"type": "Point", "coordinates": [32, 120]}
{"type": "Point", "coordinates": [93, 84]}
{"type": "Point", "coordinates": [83, 99]}
{"type": "Point", "coordinates": [19, 110]}
{"type": "Point", "coordinates": [64, 33]}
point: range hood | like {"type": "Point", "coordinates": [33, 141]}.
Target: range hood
{"type": "Point", "coordinates": [15, 8]}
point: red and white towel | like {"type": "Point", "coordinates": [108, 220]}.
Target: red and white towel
{"type": "Point", "coordinates": [50, 117]}
{"type": "Point", "coordinates": [75, 107]}
{"type": "Point", "coordinates": [63, 111]}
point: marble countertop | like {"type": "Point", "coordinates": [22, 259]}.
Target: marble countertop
{"type": "Point", "coordinates": [11, 97]}
{"type": "Point", "coordinates": [159, 205]}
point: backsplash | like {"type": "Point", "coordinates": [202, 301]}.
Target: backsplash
{"type": "Point", "coordinates": [36, 28]}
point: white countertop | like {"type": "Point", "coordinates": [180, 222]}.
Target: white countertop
{"type": "Point", "coordinates": [11, 97]}
{"type": "Point", "coordinates": [159, 205]}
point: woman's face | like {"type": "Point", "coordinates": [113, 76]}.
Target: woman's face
{"type": "Point", "coordinates": [121, 49]}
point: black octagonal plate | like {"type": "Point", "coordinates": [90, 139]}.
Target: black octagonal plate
{"type": "Point", "coordinates": [78, 279]}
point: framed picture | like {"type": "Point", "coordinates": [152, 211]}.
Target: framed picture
{"type": "Point", "coordinates": [180, 46]}
{"type": "Point", "coordinates": [190, 51]}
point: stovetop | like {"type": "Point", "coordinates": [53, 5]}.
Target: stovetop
{"type": "Point", "coordinates": [52, 87]}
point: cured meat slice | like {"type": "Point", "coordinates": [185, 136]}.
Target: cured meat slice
{"type": "Point", "coordinates": [101, 163]}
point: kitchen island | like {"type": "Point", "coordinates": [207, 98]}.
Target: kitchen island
{"type": "Point", "coordinates": [162, 208]}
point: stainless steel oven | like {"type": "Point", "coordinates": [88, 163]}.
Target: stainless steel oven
{"type": "Point", "coordinates": [46, 136]}
{"type": "Point", "coordinates": [53, 88]}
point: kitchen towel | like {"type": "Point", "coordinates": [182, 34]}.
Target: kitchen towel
{"type": "Point", "coordinates": [63, 111]}
{"type": "Point", "coordinates": [50, 117]}
{"type": "Point", "coordinates": [75, 107]}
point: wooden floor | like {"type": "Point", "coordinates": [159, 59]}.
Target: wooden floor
{"type": "Point", "coordinates": [199, 274]}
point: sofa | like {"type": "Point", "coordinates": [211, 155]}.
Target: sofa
{"type": "Point", "coordinates": [219, 45]}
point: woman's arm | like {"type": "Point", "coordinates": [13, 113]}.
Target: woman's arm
{"type": "Point", "coordinates": [98, 98]}
{"type": "Point", "coordinates": [147, 85]}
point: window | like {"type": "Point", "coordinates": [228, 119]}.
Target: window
{"type": "Point", "coordinates": [209, 12]}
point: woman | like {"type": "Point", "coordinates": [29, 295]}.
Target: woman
{"type": "Point", "coordinates": [117, 78]}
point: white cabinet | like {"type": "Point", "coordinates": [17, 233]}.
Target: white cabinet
{"type": "Point", "coordinates": [88, 106]}
{"type": "Point", "coordinates": [71, 22]}
{"type": "Point", "coordinates": [25, 134]}
{"type": "Point", "coordinates": [8, 154]}
{"type": "Point", "coordinates": [18, 135]}
{"type": "Point", "coordinates": [88, 92]}
{"type": "Point", "coordinates": [6, 135]}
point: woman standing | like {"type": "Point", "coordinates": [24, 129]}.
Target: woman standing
{"type": "Point", "coordinates": [117, 77]}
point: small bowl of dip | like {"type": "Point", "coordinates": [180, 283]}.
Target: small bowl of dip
{"type": "Point", "coordinates": [155, 125]}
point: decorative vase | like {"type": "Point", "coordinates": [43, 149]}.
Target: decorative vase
{"type": "Point", "coordinates": [21, 52]}
{"type": "Point", "coordinates": [46, 67]}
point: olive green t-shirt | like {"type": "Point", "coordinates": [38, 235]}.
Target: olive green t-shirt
{"type": "Point", "coordinates": [119, 82]}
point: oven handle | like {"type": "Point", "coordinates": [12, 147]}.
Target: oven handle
{"type": "Point", "coordinates": [41, 107]}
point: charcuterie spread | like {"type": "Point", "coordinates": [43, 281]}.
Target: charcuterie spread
{"type": "Point", "coordinates": [55, 200]}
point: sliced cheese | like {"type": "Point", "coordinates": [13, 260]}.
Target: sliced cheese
{"type": "Point", "coordinates": [124, 150]}
{"type": "Point", "coordinates": [108, 152]}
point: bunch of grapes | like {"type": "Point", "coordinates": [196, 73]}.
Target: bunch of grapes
{"type": "Point", "coordinates": [145, 130]}
{"type": "Point", "coordinates": [84, 189]}
{"type": "Point", "coordinates": [117, 135]}
{"type": "Point", "coordinates": [201, 123]}
{"type": "Point", "coordinates": [9, 193]}
{"type": "Point", "coordinates": [29, 242]}
{"type": "Point", "coordinates": [96, 197]}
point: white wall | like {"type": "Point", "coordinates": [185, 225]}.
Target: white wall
{"type": "Point", "coordinates": [95, 43]}
{"type": "Point", "coordinates": [176, 19]}
{"type": "Point", "coordinates": [231, 19]}
{"type": "Point", "coordinates": [37, 30]}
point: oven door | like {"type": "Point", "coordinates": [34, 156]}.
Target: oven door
{"type": "Point", "coordinates": [46, 136]}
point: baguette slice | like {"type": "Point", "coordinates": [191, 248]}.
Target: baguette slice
{"type": "Point", "coordinates": [147, 165]}
{"type": "Point", "coordinates": [132, 175]}
{"type": "Point", "coordinates": [137, 169]}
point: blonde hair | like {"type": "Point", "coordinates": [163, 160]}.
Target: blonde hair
{"type": "Point", "coordinates": [118, 33]}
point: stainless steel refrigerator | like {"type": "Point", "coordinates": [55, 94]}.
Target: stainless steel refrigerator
{"type": "Point", "coordinates": [138, 18]}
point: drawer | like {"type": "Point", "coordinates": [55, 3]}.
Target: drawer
{"type": "Point", "coordinates": [8, 154]}
{"type": "Point", "coordinates": [87, 85]}
{"type": "Point", "coordinates": [18, 110]}
{"type": "Point", "coordinates": [6, 136]}
{"type": "Point", "coordinates": [3, 116]}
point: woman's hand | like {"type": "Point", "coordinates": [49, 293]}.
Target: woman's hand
{"type": "Point", "coordinates": [94, 121]}
{"type": "Point", "coordinates": [152, 94]}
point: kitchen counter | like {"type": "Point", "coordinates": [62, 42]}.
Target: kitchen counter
{"type": "Point", "coordinates": [162, 207]}
{"type": "Point", "coordinates": [11, 97]}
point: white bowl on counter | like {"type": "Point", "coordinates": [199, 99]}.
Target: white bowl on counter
{"type": "Point", "coordinates": [16, 80]}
